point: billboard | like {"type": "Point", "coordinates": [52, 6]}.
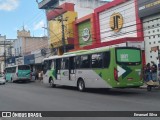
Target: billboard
{"type": "Point", "coordinates": [148, 7]}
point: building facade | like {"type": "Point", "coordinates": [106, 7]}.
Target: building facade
{"type": "Point", "coordinates": [25, 43]}
{"type": "Point", "coordinates": [149, 12]}
{"type": "Point", "coordinates": [6, 51]}
{"type": "Point", "coordinates": [61, 33]}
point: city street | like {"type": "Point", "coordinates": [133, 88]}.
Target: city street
{"type": "Point", "coordinates": [36, 96]}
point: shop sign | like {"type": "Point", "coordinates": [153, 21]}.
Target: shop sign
{"type": "Point", "coordinates": [148, 7]}
{"type": "Point", "coordinates": [86, 34]}
{"type": "Point", "coordinates": [116, 22]}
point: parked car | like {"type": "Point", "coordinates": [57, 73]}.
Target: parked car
{"type": "Point", "coordinates": [2, 80]}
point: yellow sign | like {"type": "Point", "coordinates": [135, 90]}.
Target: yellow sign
{"type": "Point", "coordinates": [116, 22]}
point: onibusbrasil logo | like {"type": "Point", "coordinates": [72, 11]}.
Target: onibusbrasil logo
{"type": "Point", "coordinates": [86, 34]}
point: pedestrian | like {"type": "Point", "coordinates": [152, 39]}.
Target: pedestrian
{"type": "Point", "coordinates": [159, 71]}
{"type": "Point", "coordinates": [40, 75]}
{"type": "Point", "coordinates": [154, 71]}
{"type": "Point", "coordinates": [148, 73]}
{"type": "Point", "coordinates": [36, 75]}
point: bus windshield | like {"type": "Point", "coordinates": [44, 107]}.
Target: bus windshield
{"type": "Point", "coordinates": [23, 67]}
{"type": "Point", "coordinates": [128, 56]}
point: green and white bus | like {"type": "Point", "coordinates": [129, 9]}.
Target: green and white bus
{"type": "Point", "coordinates": [98, 68]}
{"type": "Point", "coordinates": [18, 73]}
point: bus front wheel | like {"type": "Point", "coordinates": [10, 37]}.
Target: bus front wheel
{"type": "Point", "coordinates": [51, 83]}
{"type": "Point", "coordinates": [81, 85]}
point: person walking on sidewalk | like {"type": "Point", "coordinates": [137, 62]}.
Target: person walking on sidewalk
{"type": "Point", "coordinates": [148, 73]}
{"type": "Point", "coordinates": [154, 71]}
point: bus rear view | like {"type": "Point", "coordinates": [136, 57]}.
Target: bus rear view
{"type": "Point", "coordinates": [23, 72]}
{"type": "Point", "coordinates": [127, 72]}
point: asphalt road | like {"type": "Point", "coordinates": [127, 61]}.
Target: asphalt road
{"type": "Point", "coordinates": [36, 96]}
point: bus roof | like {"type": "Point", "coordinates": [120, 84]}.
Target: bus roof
{"type": "Point", "coordinates": [15, 66]}
{"type": "Point", "coordinates": [80, 52]}
{"type": "Point", "coordinates": [83, 52]}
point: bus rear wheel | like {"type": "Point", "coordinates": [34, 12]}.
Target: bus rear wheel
{"type": "Point", "coordinates": [51, 83]}
{"type": "Point", "coordinates": [81, 85]}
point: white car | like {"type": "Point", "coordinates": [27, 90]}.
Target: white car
{"type": "Point", "coordinates": [2, 80]}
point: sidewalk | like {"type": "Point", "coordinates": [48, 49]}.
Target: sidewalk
{"type": "Point", "coordinates": [144, 86]}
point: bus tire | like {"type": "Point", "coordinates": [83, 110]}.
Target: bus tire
{"type": "Point", "coordinates": [51, 83]}
{"type": "Point", "coordinates": [81, 85]}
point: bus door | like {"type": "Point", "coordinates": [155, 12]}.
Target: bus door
{"type": "Point", "coordinates": [58, 69]}
{"type": "Point", "coordinates": [72, 75]}
{"type": "Point", "coordinates": [14, 72]}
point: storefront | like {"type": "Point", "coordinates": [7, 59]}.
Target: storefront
{"type": "Point", "coordinates": [84, 31]}
{"type": "Point", "coordinates": [112, 24]}
{"type": "Point", "coordinates": [149, 12]}
{"type": "Point", "coordinates": [11, 61]}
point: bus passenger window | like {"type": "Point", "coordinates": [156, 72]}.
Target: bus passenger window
{"type": "Point", "coordinates": [58, 64]}
{"type": "Point", "coordinates": [85, 61]}
{"type": "Point", "coordinates": [77, 61]}
{"type": "Point", "coordinates": [106, 59]}
{"type": "Point", "coordinates": [64, 63]}
{"type": "Point", "coordinates": [96, 60]}
{"type": "Point", "coordinates": [71, 63]}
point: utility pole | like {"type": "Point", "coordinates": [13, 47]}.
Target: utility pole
{"type": "Point", "coordinates": [4, 54]}
{"type": "Point", "coordinates": [61, 19]}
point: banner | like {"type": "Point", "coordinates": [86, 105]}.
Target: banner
{"type": "Point", "coordinates": [29, 114]}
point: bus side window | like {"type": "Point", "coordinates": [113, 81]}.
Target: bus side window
{"type": "Point", "coordinates": [58, 64]}
{"type": "Point", "coordinates": [65, 63]}
{"type": "Point", "coordinates": [77, 61]}
{"type": "Point", "coordinates": [72, 63]}
{"type": "Point", "coordinates": [96, 60]}
{"type": "Point", "coordinates": [106, 59]}
{"type": "Point", "coordinates": [52, 64]}
{"type": "Point", "coordinates": [85, 61]}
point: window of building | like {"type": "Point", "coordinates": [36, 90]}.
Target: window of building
{"type": "Point", "coordinates": [20, 50]}
{"type": "Point", "coordinates": [15, 52]}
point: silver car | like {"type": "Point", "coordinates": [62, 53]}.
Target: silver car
{"type": "Point", "coordinates": [2, 80]}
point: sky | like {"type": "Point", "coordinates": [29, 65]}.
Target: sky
{"type": "Point", "coordinates": [14, 14]}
